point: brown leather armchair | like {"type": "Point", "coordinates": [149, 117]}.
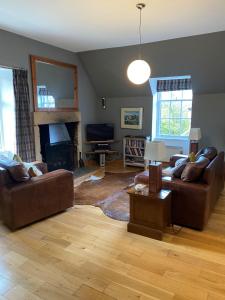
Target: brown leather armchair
{"type": "Point", "coordinates": [35, 199]}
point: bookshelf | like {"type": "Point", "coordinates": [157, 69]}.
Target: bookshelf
{"type": "Point", "coordinates": [133, 151]}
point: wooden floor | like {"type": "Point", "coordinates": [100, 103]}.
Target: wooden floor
{"type": "Point", "coordinates": [82, 254]}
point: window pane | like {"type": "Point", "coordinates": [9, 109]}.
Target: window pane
{"type": "Point", "coordinates": [176, 95]}
{"type": "Point", "coordinates": [187, 94]}
{"type": "Point", "coordinates": [164, 95]}
{"type": "Point", "coordinates": [185, 127]}
{"type": "Point", "coordinates": [175, 109]}
{"type": "Point", "coordinates": [174, 126]}
{"type": "Point", "coordinates": [186, 109]}
{"type": "Point", "coordinates": [165, 109]}
{"type": "Point", "coordinates": [7, 112]}
{"type": "Point", "coordinates": [164, 127]}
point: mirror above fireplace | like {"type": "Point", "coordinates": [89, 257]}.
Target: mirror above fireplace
{"type": "Point", "coordinates": [54, 85]}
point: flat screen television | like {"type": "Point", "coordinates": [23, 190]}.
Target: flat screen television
{"type": "Point", "coordinates": [99, 132]}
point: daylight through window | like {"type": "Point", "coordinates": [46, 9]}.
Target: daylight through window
{"type": "Point", "coordinates": [174, 110]}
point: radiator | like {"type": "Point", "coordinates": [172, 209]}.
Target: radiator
{"type": "Point", "coordinates": [171, 150]}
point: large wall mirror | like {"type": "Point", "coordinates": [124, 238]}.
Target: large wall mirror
{"type": "Point", "coordinates": [54, 85]}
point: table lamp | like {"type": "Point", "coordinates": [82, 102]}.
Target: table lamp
{"type": "Point", "coordinates": [194, 136]}
{"type": "Point", "coordinates": [155, 152]}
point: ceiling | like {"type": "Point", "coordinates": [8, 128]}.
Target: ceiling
{"type": "Point", "coordinates": [96, 24]}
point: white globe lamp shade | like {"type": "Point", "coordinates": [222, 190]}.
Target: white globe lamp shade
{"type": "Point", "coordinates": [138, 71]}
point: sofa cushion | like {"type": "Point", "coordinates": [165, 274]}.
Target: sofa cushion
{"type": "Point", "coordinates": [177, 170]}
{"type": "Point", "coordinates": [179, 167]}
{"type": "Point", "coordinates": [208, 152]}
{"type": "Point", "coordinates": [33, 171]}
{"type": "Point", "coordinates": [193, 170]}
{"type": "Point", "coordinates": [18, 172]}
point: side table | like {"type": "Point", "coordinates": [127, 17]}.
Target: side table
{"type": "Point", "coordinates": [150, 213]}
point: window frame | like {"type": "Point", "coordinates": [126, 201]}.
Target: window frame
{"type": "Point", "coordinates": [158, 116]}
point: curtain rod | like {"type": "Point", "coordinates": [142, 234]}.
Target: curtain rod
{"type": "Point", "coordinates": [11, 67]}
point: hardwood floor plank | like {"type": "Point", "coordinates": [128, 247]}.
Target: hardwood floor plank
{"type": "Point", "coordinates": [82, 254]}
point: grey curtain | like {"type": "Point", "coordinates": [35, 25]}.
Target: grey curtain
{"type": "Point", "coordinates": [24, 128]}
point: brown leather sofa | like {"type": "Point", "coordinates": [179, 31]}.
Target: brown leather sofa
{"type": "Point", "coordinates": [193, 202]}
{"type": "Point", "coordinates": [40, 197]}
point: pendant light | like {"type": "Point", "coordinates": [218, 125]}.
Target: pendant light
{"type": "Point", "coordinates": [139, 70]}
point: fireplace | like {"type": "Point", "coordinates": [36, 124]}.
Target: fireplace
{"type": "Point", "coordinates": [58, 145]}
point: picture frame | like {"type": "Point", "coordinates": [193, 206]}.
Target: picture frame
{"type": "Point", "coordinates": [131, 117]}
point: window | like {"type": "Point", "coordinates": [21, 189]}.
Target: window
{"type": "Point", "coordinates": [7, 112]}
{"type": "Point", "coordinates": [174, 109]}
{"type": "Point", "coordinates": [174, 113]}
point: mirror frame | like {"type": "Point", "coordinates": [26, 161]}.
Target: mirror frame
{"type": "Point", "coordinates": [34, 59]}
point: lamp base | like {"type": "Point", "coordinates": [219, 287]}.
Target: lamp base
{"type": "Point", "coordinates": [155, 177]}
{"type": "Point", "coordinates": [194, 147]}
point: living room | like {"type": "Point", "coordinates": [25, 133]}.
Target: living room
{"type": "Point", "coordinates": [91, 205]}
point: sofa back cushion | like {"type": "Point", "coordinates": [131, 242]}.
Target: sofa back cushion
{"type": "Point", "coordinates": [208, 152]}
{"type": "Point", "coordinates": [216, 167]}
{"type": "Point", "coordinates": [193, 170]}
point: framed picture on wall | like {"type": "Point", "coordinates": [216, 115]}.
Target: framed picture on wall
{"type": "Point", "coordinates": [131, 118]}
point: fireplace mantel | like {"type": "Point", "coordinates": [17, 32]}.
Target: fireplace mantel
{"type": "Point", "coordinates": [40, 118]}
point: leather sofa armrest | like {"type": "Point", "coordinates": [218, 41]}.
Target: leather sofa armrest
{"type": "Point", "coordinates": [174, 158]}
{"type": "Point", "coordinates": [52, 175]}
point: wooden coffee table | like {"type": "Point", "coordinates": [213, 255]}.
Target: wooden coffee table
{"type": "Point", "coordinates": [150, 213]}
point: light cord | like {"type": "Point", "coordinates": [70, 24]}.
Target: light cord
{"type": "Point", "coordinates": [140, 35]}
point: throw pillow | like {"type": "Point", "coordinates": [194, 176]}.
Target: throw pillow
{"type": "Point", "coordinates": [193, 170]}
{"type": "Point", "coordinates": [17, 158]}
{"type": "Point", "coordinates": [180, 164]}
{"type": "Point", "coordinates": [7, 163]}
{"type": "Point", "coordinates": [34, 171]}
{"type": "Point", "coordinates": [18, 172]}
{"type": "Point", "coordinates": [192, 157]}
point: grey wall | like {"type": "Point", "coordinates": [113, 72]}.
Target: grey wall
{"type": "Point", "coordinates": [15, 51]}
{"type": "Point", "coordinates": [201, 56]}
{"type": "Point", "coordinates": [209, 115]}
{"type": "Point", "coordinates": [112, 115]}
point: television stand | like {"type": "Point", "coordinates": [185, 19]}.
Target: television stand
{"type": "Point", "coordinates": [100, 150]}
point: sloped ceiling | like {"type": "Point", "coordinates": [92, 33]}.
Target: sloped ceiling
{"type": "Point", "coordinates": [96, 24]}
{"type": "Point", "coordinates": [202, 57]}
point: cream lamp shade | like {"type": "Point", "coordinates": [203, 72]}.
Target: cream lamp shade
{"type": "Point", "coordinates": [138, 71]}
{"type": "Point", "coordinates": [195, 134]}
{"type": "Point", "coordinates": [155, 151]}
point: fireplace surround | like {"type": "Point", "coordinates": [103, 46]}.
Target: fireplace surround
{"type": "Point", "coordinates": [56, 150]}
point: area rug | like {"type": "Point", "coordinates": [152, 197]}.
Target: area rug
{"type": "Point", "coordinates": [108, 193]}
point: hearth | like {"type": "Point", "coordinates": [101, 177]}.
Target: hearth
{"type": "Point", "coordinates": [59, 145]}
